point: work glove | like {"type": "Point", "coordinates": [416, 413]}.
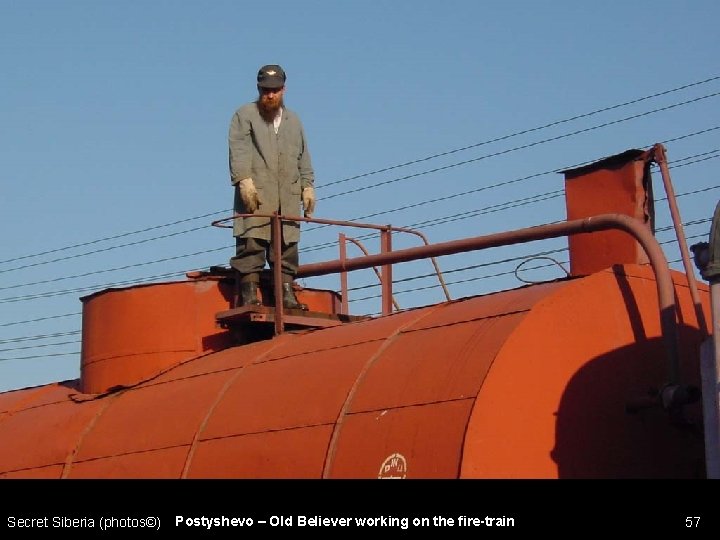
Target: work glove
{"type": "Point", "coordinates": [308, 200]}
{"type": "Point", "coordinates": [249, 195]}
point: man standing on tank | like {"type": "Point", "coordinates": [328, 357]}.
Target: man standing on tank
{"type": "Point", "coordinates": [271, 171]}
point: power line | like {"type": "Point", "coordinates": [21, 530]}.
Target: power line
{"type": "Point", "coordinates": [39, 337]}
{"type": "Point", "coordinates": [427, 223]}
{"type": "Point", "coordinates": [431, 222]}
{"type": "Point", "coordinates": [40, 319]}
{"type": "Point", "coordinates": [486, 276]}
{"type": "Point", "coordinates": [421, 203]}
{"type": "Point", "coordinates": [397, 281]}
{"type": "Point", "coordinates": [106, 270]}
{"type": "Point", "coordinates": [522, 147]}
{"type": "Point", "coordinates": [501, 184]}
{"type": "Point", "coordinates": [115, 237]}
{"type": "Point", "coordinates": [25, 347]}
{"type": "Point", "coordinates": [385, 169]}
{"type": "Point", "coordinates": [103, 249]}
{"type": "Point", "coordinates": [523, 132]}
{"type": "Point", "coordinates": [39, 356]}
{"type": "Point", "coordinates": [496, 208]}
{"type": "Point", "coordinates": [375, 285]}
{"type": "Point", "coordinates": [90, 288]}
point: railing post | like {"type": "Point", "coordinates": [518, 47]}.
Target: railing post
{"type": "Point", "coordinates": [344, 300]}
{"type": "Point", "coordinates": [277, 272]}
{"type": "Point", "coordinates": [386, 271]}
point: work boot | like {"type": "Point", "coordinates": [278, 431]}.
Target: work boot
{"type": "Point", "coordinates": [289, 299]}
{"type": "Point", "coordinates": [248, 293]}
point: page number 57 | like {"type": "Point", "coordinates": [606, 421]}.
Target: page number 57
{"type": "Point", "coordinates": [692, 521]}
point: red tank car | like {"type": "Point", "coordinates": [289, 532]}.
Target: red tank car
{"type": "Point", "coordinates": [596, 375]}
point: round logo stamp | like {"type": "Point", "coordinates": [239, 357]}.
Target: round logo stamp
{"type": "Point", "coordinates": [394, 467]}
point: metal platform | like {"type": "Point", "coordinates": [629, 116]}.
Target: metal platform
{"type": "Point", "coordinates": [292, 318]}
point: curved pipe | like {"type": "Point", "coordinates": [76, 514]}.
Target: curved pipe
{"type": "Point", "coordinates": [377, 272]}
{"type": "Point", "coordinates": [642, 234]}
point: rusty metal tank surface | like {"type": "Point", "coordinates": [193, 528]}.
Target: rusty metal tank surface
{"type": "Point", "coordinates": [528, 383]}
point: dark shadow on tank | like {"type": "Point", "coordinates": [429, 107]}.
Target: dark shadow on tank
{"type": "Point", "coordinates": [72, 384]}
{"type": "Point", "coordinates": [218, 342]}
{"type": "Point", "coordinates": [600, 433]}
{"type": "Point", "coordinates": [630, 304]}
{"type": "Point", "coordinates": [632, 308]}
{"type": "Point", "coordinates": [610, 421]}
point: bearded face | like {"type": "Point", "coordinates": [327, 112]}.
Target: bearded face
{"type": "Point", "coordinates": [269, 102]}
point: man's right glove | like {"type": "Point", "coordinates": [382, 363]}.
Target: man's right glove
{"type": "Point", "coordinates": [249, 195]}
{"type": "Point", "coordinates": [308, 200]}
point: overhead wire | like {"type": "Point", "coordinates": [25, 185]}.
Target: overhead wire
{"type": "Point", "coordinates": [522, 132]}
{"type": "Point", "coordinates": [505, 205]}
{"type": "Point", "coordinates": [421, 203]}
{"type": "Point", "coordinates": [38, 337]}
{"type": "Point", "coordinates": [522, 147]}
{"type": "Point", "coordinates": [40, 319]}
{"type": "Point", "coordinates": [525, 258]}
{"type": "Point", "coordinates": [681, 162]}
{"type": "Point", "coordinates": [486, 276]}
{"type": "Point", "coordinates": [114, 237]}
{"type": "Point", "coordinates": [394, 167]}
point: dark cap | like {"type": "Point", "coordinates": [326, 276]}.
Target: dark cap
{"type": "Point", "coordinates": [271, 76]}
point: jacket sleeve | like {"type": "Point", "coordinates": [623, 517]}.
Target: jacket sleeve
{"type": "Point", "coordinates": [307, 174]}
{"type": "Point", "coordinates": [240, 148]}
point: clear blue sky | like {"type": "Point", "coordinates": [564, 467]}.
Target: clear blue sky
{"type": "Point", "coordinates": [114, 118]}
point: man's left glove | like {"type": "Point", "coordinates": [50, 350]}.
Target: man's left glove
{"type": "Point", "coordinates": [308, 200]}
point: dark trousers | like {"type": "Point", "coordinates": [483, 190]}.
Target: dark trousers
{"type": "Point", "coordinates": [252, 253]}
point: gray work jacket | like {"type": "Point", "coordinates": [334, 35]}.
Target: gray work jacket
{"type": "Point", "coordinates": [279, 165]}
